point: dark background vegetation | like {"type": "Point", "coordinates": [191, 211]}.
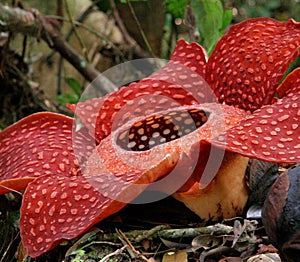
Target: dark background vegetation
{"type": "Point", "coordinates": [34, 77]}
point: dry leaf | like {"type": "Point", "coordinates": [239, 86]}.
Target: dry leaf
{"type": "Point", "coordinates": [270, 257]}
{"type": "Point", "coordinates": [171, 244]}
{"type": "Point", "coordinates": [175, 256]}
{"type": "Point", "coordinates": [206, 241]}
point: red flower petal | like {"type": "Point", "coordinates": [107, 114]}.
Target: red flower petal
{"type": "Point", "coordinates": [178, 83]}
{"type": "Point", "coordinates": [141, 130]}
{"type": "Point", "coordinates": [272, 132]}
{"type": "Point", "coordinates": [291, 82]}
{"type": "Point", "coordinates": [83, 144]}
{"type": "Point", "coordinates": [57, 207]}
{"type": "Point", "coordinates": [141, 143]}
{"type": "Point", "coordinates": [191, 55]}
{"type": "Point", "coordinates": [35, 146]}
{"type": "Point", "coordinates": [247, 64]}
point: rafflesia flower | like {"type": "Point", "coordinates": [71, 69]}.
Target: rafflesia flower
{"type": "Point", "coordinates": [186, 130]}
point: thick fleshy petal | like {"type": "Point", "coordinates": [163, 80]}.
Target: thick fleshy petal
{"type": "Point", "coordinates": [33, 147]}
{"type": "Point", "coordinates": [57, 207]}
{"type": "Point", "coordinates": [192, 56]}
{"type": "Point", "coordinates": [83, 144]}
{"type": "Point", "coordinates": [180, 82]}
{"type": "Point", "coordinates": [248, 63]}
{"type": "Point", "coordinates": [291, 82]}
{"type": "Point", "coordinates": [272, 132]}
{"type": "Point", "coordinates": [142, 142]}
{"type": "Point", "coordinates": [158, 126]}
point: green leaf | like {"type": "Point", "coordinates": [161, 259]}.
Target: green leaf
{"type": "Point", "coordinates": [64, 99]}
{"type": "Point", "coordinates": [212, 21]}
{"type": "Point", "coordinates": [176, 7]}
{"type": "Point", "coordinates": [227, 18]}
{"type": "Point", "coordinates": [74, 85]}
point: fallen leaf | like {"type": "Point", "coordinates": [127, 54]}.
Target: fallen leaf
{"type": "Point", "coordinates": [172, 244]}
{"type": "Point", "coordinates": [175, 256]}
{"type": "Point", "coordinates": [206, 241]}
{"type": "Point", "coordinates": [271, 257]}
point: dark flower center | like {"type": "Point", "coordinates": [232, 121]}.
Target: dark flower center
{"type": "Point", "coordinates": [161, 128]}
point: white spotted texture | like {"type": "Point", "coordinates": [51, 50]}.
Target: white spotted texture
{"type": "Point", "coordinates": [67, 207]}
{"type": "Point", "coordinates": [180, 82]}
{"type": "Point", "coordinates": [190, 55]}
{"type": "Point", "coordinates": [249, 61]}
{"type": "Point", "coordinates": [35, 146]}
{"type": "Point", "coordinates": [57, 207]}
{"type": "Point", "coordinates": [290, 84]}
{"type": "Point", "coordinates": [244, 71]}
{"type": "Point", "coordinates": [160, 129]}
{"type": "Point", "coordinates": [271, 133]}
{"type": "Point", "coordinates": [115, 158]}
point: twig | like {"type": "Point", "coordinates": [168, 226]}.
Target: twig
{"type": "Point", "coordinates": [117, 252]}
{"type": "Point", "coordinates": [172, 34]}
{"type": "Point", "coordinates": [37, 25]}
{"type": "Point", "coordinates": [149, 233]}
{"type": "Point", "coordinates": [130, 248]}
{"type": "Point", "coordinates": [78, 22]}
{"type": "Point", "coordinates": [38, 95]}
{"type": "Point", "coordinates": [7, 249]}
{"type": "Point", "coordinates": [74, 29]}
{"type": "Point", "coordinates": [24, 44]}
{"type": "Point", "coordinates": [217, 229]}
{"type": "Point", "coordinates": [60, 10]}
{"type": "Point", "coordinates": [136, 49]}
{"type": "Point", "coordinates": [120, 23]}
{"type": "Point", "coordinates": [140, 28]}
{"type": "Point", "coordinates": [190, 21]}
